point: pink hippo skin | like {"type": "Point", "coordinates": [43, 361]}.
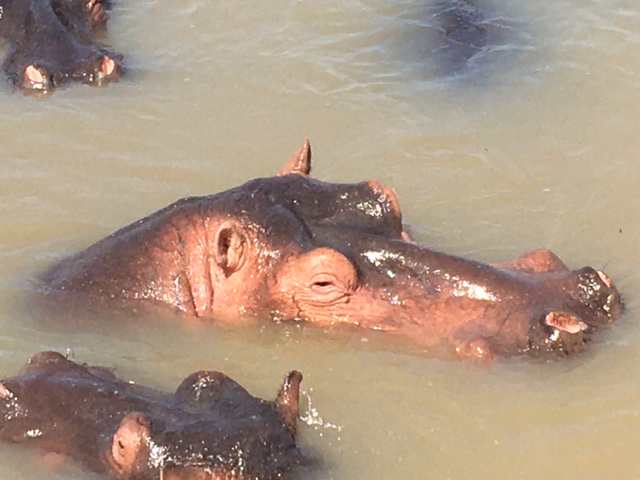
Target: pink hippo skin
{"type": "Point", "coordinates": [210, 428]}
{"type": "Point", "coordinates": [293, 248]}
{"type": "Point", "coordinates": [55, 41]}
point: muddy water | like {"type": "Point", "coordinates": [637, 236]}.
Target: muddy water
{"type": "Point", "coordinates": [533, 142]}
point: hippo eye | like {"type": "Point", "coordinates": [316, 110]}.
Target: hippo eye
{"type": "Point", "coordinates": [321, 283]}
{"type": "Point", "coordinates": [327, 289]}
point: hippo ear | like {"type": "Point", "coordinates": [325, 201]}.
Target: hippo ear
{"type": "Point", "coordinates": [230, 248]}
{"type": "Point", "coordinates": [300, 162]}
{"type": "Point", "coordinates": [129, 442]}
{"type": "Point", "coordinates": [5, 393]}
{"type": "Point", "coordinates": [288, 400]}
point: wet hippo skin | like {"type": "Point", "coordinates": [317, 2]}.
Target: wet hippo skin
{"type": "Point", "coordinates": [54, 41]}
{"type": "Point", "coordinates": [464, 33]}
{"type": "Point", "coordinates": [210, 428]}
{"type": "Point", "coordinates": [461, 39]}
{"type": "Point", "coordinates": [293, 248]}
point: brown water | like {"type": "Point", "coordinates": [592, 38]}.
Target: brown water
{"type": "Point", "coordinates": [534, 143]}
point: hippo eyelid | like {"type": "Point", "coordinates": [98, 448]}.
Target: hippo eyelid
{"type": "Point", "coordinates": [327, 289]}
{"type": "Point", "coordinates": [323, 281]}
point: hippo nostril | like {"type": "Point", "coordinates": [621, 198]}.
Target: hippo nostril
{"type": "Point", "coordinates": [108, 66]}
{"type": "Point", "coordinates": [565, 322]}
{"type": "Point", "coordinates": [34, 75]}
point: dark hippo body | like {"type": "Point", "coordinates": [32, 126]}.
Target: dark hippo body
{"type": "Point", "coordinates": [53, 41]}
{"type": "Point", "coordinates": [455, 38]}
{"type": "Point", "coordinates": [293, 248]}
{"type": "Point", "coordinates": [463, 28]}
{"type": "Point", "coordinates": [210, 428]}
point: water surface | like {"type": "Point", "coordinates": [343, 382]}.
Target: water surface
{"type": "Point", "coordinates": [534, 142]}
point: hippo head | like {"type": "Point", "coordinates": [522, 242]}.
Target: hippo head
{"type": "Point", "coordinates": [293, 248]}
{"type": "Point", "coordinates": [53, 42]}
{"type": "Point", "coordinates": [210, 428]}
{"type": "Point", "coordinates": [228, 433]}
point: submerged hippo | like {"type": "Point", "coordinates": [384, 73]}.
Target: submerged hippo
{"type": "Point", "coordinates": [210, 428]}
{"type": "Point", "coordinates": [293, 248]}
{"type": "Point", "coordinates": [455, 38]}
{"type": "Point", "coordinates": [53, 41]}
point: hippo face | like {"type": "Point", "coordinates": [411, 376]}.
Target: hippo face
{"type": "Point", "coordinates": [210, 428]}
{"type": "Point", "coordinates": [54, 41]}
{"type": "Point", "coordinates": [293, 248]}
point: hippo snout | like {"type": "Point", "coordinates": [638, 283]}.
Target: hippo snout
{"type": "Point", "coordinates": [594, 302]}
{"type": "Point", "coordinates": [600, 298]}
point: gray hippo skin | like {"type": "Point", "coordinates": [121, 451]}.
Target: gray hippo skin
{"type": "Point", "coordinates": [461, 39]}
{"type": "Point", "coordinates": [55, 41]}
{"type": "Point", "coordinates": [210, 428]}
{"type": "Point", "coordinates": [293, 248]}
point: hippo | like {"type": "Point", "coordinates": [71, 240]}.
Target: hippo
{"type": "Point", "coordinates": [455, 38]}
{"type": "Point", "coordinates": [55, 41]}
{"type": "Point", "coordinates": [462, 26]}
{"type": "Point", "coordinates": [290, 247]}
{"type": "Point", "coordinates": [209, 428]}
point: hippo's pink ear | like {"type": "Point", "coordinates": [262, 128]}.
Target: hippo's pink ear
{"type": "Point", "coordinates": [300, 162]}
{"type": "Point", "coordinates": [129, 442]}
{"type": "Point", "coordinates": [229, 249]}
{"type": "Point", "coordinates": [5, 393]}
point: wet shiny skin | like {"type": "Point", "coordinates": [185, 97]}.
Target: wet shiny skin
{"type": "Point", "coordinates": [210, 427]}
{"type": "Point", "coordinates": [293, 248]}
{"type": "Point", "coordinates": [545, 155]}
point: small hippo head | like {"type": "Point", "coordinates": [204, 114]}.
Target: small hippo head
{"type": "Point", "coordinates": [229, 434]}
{"type": "Point", "coordinates": [53, 42]}
{"type": "Point", "coordinates": [210, 428]}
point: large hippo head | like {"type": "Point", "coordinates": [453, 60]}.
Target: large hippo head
{"type": "Point", "coordinates": [293, 248]}
{"type": "Point", "coordinates": [210, 428]}
{"type": "Point", "coordinates": [54, 41]}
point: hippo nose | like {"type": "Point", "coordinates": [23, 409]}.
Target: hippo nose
{"type": "Point", "coordinates": [103, 70]}
{"type": "Point", "coordinates": [597, 292]}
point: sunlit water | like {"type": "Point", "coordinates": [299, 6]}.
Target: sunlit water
{"type": "Point", "coordinates": [534, 142]}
